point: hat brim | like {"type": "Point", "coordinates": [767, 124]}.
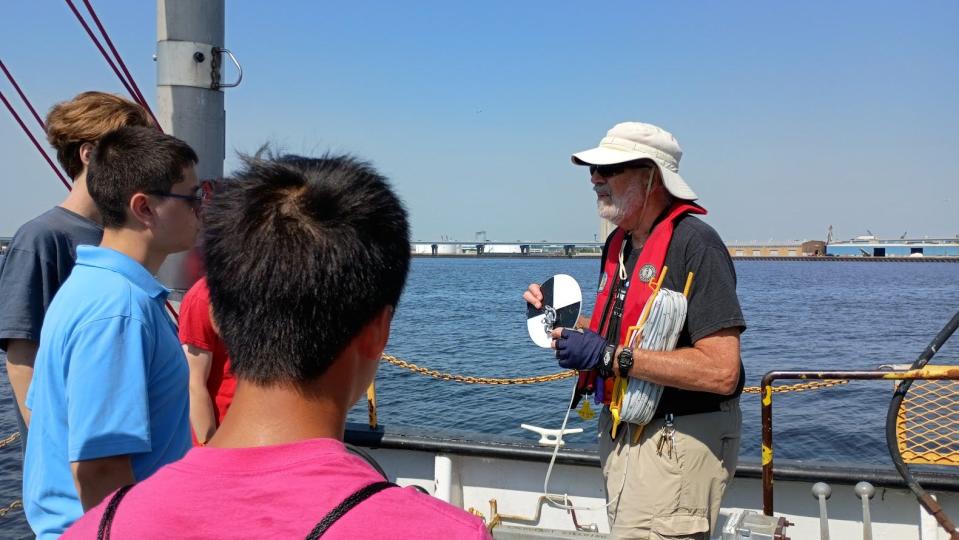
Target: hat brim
{"type": "Point", "coordinates": [672, 181]}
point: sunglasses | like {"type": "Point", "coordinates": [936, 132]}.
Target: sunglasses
{"type": "Point", "coordinates": [608, 171]}
{"type": "Point", "coordinates": [200, 195]}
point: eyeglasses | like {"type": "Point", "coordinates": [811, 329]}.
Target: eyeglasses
{"type": "Point", "coordinates": [608, 171]}
{"type": "Point", "coordinates": [200, 195]}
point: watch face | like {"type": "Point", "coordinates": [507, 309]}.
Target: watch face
{"type": "Point", "coordinates": [625, 362]}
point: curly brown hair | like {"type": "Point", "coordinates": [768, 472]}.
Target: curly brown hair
{"type": "Point", "coordinates": [85, 119]}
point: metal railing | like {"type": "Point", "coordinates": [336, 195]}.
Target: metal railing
{"type": "Point", "coordinates": [766, 390]}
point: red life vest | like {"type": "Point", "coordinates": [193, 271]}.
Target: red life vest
{"type": "Point", "coordinates": [647, 269]}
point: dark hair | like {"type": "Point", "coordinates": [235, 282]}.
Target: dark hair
{"type": "Point", "coordinates": [134, 160]}
{"type": "Point", "coordinates": [301, 253]}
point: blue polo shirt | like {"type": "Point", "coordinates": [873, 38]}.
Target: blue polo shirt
{"type": "Point", "coordinates": [110, 379]}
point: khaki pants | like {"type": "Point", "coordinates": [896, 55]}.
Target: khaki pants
{"type": "Point", "coordinates": [674, 495]}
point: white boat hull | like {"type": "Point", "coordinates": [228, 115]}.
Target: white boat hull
{"type": "Point", "coordinates": [472, 473]}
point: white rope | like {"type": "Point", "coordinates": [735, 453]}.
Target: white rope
{"type": "Point", "coordinates": [659, 333]}
{"type": "Point", "coordinates": [560, 501]}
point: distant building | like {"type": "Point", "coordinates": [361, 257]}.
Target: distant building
{"type": "Point", "coordinates": [871, 246]}
{"type": "Point", "coordinates": [814, 248]}
{"type": "Point", "coordinates": [771, 250]}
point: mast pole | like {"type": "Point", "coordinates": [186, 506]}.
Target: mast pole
{"type": "Point", "coordinates": [190, 39]}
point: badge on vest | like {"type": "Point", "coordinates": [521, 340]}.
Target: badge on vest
{"type": "Point", "coordinates": [647, 272]}
{"type": "Point", "coordinates": [602, 282]}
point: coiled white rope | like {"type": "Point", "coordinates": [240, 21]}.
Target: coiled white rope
{"type": "Point", "coordinates": [660, 332]}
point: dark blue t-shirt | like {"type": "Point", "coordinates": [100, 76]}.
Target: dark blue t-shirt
{"type": "Point", "coordinates": [37, 262]}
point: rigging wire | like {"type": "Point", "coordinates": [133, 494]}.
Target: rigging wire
{"type": "Point", "coordinates": [36, 143]}
{"type": "Point", "coordinates": [23, 97]}
{"type": "Point", "coordinates": [113, 50]}
{"type": "Point", "coordinates": [116, 60]}
{"type": "Point", "coordinates": [138, 95]}
{"type": "Point", "coordinates": [103, 51]}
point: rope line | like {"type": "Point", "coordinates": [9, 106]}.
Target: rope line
{"type": "Point", "coordinates": [33, 139]}
{"type": "Point", "coordinates": [468, 379]}
{"type": "Point", "coordinates": [10, 439]}
{"type": "Point", "coordinates": [113, 50]}
{"type": "Point", "coordinates": [103, 52]}
{"type": "Point", "coordinates": [11, 507]}
{"type": "Point", "coordinates": [660, 332]}
{"type": "Point", "coordinates": [136, 93]}
{"type": "Point", "coordinates": [23, 97]}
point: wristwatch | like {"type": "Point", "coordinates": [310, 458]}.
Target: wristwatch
{"type": "Point", "coordinates": [606, 366]}
{"type": "Point", "coordinates": [625, 362]}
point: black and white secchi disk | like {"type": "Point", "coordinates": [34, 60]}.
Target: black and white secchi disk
{"type": "Point", "coordinates": [562, 301]}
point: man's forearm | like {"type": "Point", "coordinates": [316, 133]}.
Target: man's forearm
{"type": "Point", "coordinates": [711, 365]}
{"type": "Point", "coordinates": [21, 354]}
{"type": "Point", "coordinates": [97, 478]}
{"type": "Point", "coordinates": [202, 414]}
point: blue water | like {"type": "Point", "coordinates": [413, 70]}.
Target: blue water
{"type": "Point", "coordinates": [467, 316]}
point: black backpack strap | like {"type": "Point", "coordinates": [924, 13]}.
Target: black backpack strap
{"type": "Point", "coordinates": [106, 520]}
{"type": "Point", "coordinates": [347, 505]}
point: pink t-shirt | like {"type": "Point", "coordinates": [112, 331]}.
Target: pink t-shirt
{"type": "Point", "coordinates": [274, 492]}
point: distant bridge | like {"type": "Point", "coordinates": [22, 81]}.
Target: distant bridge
{"type": "Point", "coordinates": [488, 247]}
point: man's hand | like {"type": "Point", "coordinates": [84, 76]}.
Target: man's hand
{"type": "Point", "coordinates": [97, 478]}
{"type": "Point", "coordinates": [534, 295]}
{"type": "Point", "coordinates": [578, 350]}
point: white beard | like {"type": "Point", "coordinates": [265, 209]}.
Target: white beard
{"type": "Point", "coordinates": [615, 209]}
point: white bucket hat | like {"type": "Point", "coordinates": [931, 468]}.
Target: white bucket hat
{"type": "Point", "coordinates": [630, 141]}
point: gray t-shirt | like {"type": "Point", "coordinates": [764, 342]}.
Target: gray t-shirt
{"type": "Point", "coordinates": [713, 303]}
{"type": "Point", "coordinates": [38, 261]}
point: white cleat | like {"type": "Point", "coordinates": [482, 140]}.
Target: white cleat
{"type": "Point", "coordinates": [551, 437]}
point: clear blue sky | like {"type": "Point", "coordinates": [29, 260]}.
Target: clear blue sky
{"type": "Point", "coordinates": [793, 116]}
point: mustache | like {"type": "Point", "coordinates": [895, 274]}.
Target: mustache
{"type": "Point", "coordinates": [602, 190]}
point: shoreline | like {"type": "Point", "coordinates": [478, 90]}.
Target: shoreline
{"type": "Point", "coordinates": [745, 258]}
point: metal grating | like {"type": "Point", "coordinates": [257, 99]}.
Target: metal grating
{"type": "Point", "coordinates": [927, 429]}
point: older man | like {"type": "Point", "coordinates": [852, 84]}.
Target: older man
{"type": "Point", "coordinates": [681, 461]}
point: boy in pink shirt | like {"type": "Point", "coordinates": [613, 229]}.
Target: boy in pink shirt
{"type": "Point", "coordinates": [306, 260]}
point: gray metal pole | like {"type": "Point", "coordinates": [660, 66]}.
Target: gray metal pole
{"type": "Point", "coordinates": [189, 101]}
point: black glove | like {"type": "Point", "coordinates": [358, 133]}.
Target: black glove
{"type": "Point", "coordinates": [582, 351]}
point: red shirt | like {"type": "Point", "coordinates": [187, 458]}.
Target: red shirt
{"type": "Point", "coordinates": [196, 329]}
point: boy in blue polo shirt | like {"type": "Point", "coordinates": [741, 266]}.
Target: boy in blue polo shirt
{"type": "Point", "coordinates": [109, 398]}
